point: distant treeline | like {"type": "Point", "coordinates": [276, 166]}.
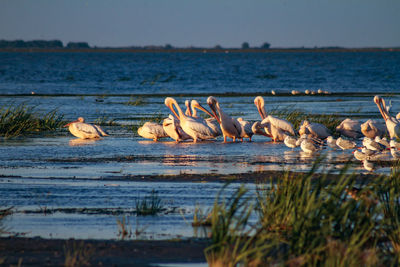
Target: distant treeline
{"type": "Point", "coordinates": [77, 45]}
{"type": "Point", "coordinates": [41, 44]}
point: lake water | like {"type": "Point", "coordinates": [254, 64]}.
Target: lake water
{"type": "Point", "coordinates": [58, 171]}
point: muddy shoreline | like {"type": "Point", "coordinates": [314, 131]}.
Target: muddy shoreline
{"type": "Point", "coordinates": [51, 252]}
{"type": "Point", "coordinates": [248, 177]}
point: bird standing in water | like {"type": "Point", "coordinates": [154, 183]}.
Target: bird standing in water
{"type": "Point", "coordinates": [84, 130]}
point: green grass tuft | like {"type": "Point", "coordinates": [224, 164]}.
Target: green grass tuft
{"type": "Point", "coordinates": [149, 205]}
{"type": "Point", "coordinates": [21, 119]}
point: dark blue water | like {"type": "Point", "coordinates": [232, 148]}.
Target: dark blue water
{"type": "Point", "coordinates": [149, 73]}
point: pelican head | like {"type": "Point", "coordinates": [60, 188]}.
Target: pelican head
{"type": "Point", "coordinates": [169, 102]}
{"type": "Point", "coordinates": [195, 104]}
{"type": "Point", "coordinates": [188, 111]}
{"type": "Point", "coordinates": [213, 103]}
{"type": "Point", "coordinates": [80, 119]}
{"type": "Point", "coordinates": [259, 103]}
{"type": "Point", "coordinates": [381, 106]}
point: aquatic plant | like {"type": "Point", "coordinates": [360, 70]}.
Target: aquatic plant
{"type": "Point", "coordinates": [149, 205]}
{"type": "Point", "coordinates": [302, 220]}
{"type": "Point", "coordinates": [105, 121]}
{"type": "Point", "coordinates": [21, 119]}
{"type": "Point", "coordinates": [4, 212]}
{"type": "Point", "coordinates": [77, 254]}
{"type": "Point", "coordinates": [124, 228]}
{"type": "Point", "coordinates": [201, 218]}
{"type": "Point", "coordinates": [297, 116]}
{"type": "Point", "coordinates": [136, 101]}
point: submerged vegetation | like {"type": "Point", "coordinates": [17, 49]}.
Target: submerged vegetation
{"type": "Point", "coordinates": [301, 221]}
{"type": "Point", "coordinates": [16, 120]}
{"type": "Point", "coordinates": [149, 205]}
{"type": "Point", "coordinates": [136, 101]}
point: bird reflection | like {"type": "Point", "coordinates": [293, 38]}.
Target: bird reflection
{"type": "Point", "coordinates": [82, 142]}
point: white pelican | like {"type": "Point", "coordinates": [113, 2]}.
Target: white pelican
{"type": "Point", "coordinates": [85, 130]}
{"type": "Point", "coordinates": [392, 124]}
{"type": "Point", "coordinates": [268, 130]}
{"type": "Point", "coordinates": [211, 122]}
{"type": "Point", "coordinates": [316, 130]}
{"type": "Point", "coordinates": [173, 129]}
{"type": "Point", "coordinates": [188, 111]}
{"type": "Point", "coordinates": [229, 127]}
{"type": "Point", "coordinates": [191, 126]}
{"type": "Point", "coordinates": [152, 130]}
{"type": "Point", "coordinates": [345, 144]}
{"type": "Point", "coordinates": [350, 128]}
{"type": "Point", "coordinates": [372, 129]}
{"type": "Point", "coordinates": [245, 129]}
{"type": "Point", "coordinates": [281, 125]}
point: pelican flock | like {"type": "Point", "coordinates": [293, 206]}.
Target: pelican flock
{"type": "Point", "coordinates": [311, 137]}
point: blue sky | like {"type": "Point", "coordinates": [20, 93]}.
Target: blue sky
{"type": "Point", "coordinates": [283, 23]}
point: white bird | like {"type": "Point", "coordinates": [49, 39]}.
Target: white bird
{"type": "Point", "coordinates": [282, 127]}
{"type": "Point", "coordinates": [309, 146]}
{"type": "Point", "coordinates": [392, 124]}
{"type": "Point", "coordinates": [359, 155]}
{"type": "Point", "coordinates": [273, 92]}
{"type": "Point", "coordinates": [395, 152]}
{"type": "Point", "coordinates": [173, 129]}
{"type": "Point", "coordinates": [295, 92]}
{"type": "Point", "coordinates": [369, 166]}
{"type": "Point", "coordinates": [394, 143]}
{"type": "Point", "coordinates": [211, 122]}
{"type": "Point", "coordinates": [372, 145]}
{"type": "Point", "coordinates": [229, 127]}
{"type": "Point", "coordinates": [345, 144]}
{"type": "Point", "coordinates": [382, 141]}
{"type": "Point", "coordinates": [85, 130]}
{"type": "Point", "coordinates": [350, 128]}
{"type": "Point", "coordinates": [290, 141]}
{"type": "Point", "coordinates": [191, 126]}
{"type": "Point", "coordinates": [307, 92]}
{"type": "Point", "coordinates": [152, 130]}
{"type": "Point", "coordinates": [372, 129]}
{"type": "Point", "coordinates": [245, 129]}
{"type": "Point", "coordinates": [368, 152]}
{"type": "Point", "coordinates": [331, 142]}
{"type": "Point", "coordinates": [316, 130]}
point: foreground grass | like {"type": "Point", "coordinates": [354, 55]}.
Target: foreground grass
{"type": "Point", "coordinates": [305, 222]}
{"type": "Point", "coordinates": [16, 120]}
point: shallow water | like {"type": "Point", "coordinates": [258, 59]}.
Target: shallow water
{"type": "Point", "coordinates": [57, 171]}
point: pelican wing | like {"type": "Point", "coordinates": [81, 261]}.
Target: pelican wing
{"type": "Point", "coordinates": [318, 130]}
{"type": "Point", "coordinates": [86, 128]}
{"type": "Point", "coordinates": [155, 129]}
{"type": "Point", "coordinates": [202, 130]}
{"type": "Point", "coordinates": [281, 124]}
{"type": "Point", "coordinates": [100, 130]}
